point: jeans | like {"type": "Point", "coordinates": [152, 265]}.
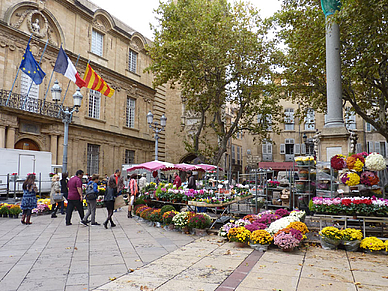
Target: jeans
{"type": "Point", "coordinates": [70, 207]}
{"type": "Point", "coordinates": [91, 210]}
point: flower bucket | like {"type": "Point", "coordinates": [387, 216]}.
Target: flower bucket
{"type": "Point", "coordinates": [259, 247]}
{"type": "Point", "coordinates": [299, 186]}
{"type": "Point", "coordinates": [200, 232]}
{"type": "Point", "coordinates": [328, 243]}
{"type": "Point", "coordinates": [185, 229]}
{"type": "Point", "coordinates": [351, 245]}
{"type": "Point", "coordinates": [287, 250]}
{"type": "Point", "coordinates": [238, 244]}
{"type": "Point", "coordinates": [157, 224]}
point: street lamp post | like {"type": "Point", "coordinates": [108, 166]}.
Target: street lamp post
{"type": "Point", "coordinates": [156, 127]}
{"type": "Point", "coordinates": [67, 115]}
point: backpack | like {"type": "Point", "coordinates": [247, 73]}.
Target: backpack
{"type": "Point", "coordinates": [90, 194]}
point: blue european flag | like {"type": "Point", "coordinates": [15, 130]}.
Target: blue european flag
{"type": "Point", "coordinates": [30, 67]}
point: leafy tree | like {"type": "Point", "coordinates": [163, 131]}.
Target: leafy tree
{"type": "Point", "coordinates": [217, 54]}
{"type": "Point", "coordinates": [364, 42]}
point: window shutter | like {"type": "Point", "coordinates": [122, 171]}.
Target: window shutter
{"type": "Point", "coordinates": [358, 148]}
{"type": "Point", "coordinates": [370, 146]}
{"type": "Point", "coordinates": [282, 149]}
{"type": "Point", "coordinates": [297, 149]}
{"type": "Point", "coordinates": [377, 147]}
{"type": "Point", "coordinates": [269, 148]}
{"type": "Point", "coordinates": [264, 149]}
{"type": "Point", "coordinates": [303, 148]}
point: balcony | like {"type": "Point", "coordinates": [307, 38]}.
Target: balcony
{"type": "Point", "coordinates": [16, 101]}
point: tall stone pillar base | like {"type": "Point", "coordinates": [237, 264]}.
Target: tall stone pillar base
{"type": "Point", "coordinates": [333, 140]}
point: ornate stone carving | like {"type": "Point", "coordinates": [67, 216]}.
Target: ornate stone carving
{"type": "Point", "coordinates": [99, 25]}
{"type": "Point", "coordinates": [37, 23]}
{"type": "Point", "coordinates": [316, 141]}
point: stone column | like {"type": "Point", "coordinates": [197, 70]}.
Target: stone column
{"type": "Point", "coordinates": [2, 136]}
{"type": "Point", "coordinates": [10, 142]}
{"type": "Point", "coordinates": [60, 150]}
{"type": "Point", "coordinates": [334, 138]}
{"type": "Point", "coordinates": [54, 149]}
{"type": "Point", "coordinates": [333, 76]}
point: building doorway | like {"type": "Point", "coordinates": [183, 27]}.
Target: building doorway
{"type": "Point", "coordinates": [27, 144]}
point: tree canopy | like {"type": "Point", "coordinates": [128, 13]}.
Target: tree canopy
{"type": "Point", "coordinates": [364, 65]}
{"type": "Point", "coordinates": [218, 55]}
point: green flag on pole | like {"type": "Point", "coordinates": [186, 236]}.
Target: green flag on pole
{"type": "Point", "coordinates": [329, 7]}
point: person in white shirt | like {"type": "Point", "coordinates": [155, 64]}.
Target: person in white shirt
{"type": "Point", "coordinates": [142, 181]}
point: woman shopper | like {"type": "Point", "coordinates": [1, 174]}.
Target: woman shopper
{"type": "Point", "coordinates": [134, 190]}
{"type": "Point", "coordinates": [109, 200]}
{"type": "Point", "coordinates": [64, 190]}
{"type": "Point", "coordinates": [92, 199]}
{"type": "Point", "coordinates": [29, 198]}
{"type": "Point", "coordinates": [55, 189]}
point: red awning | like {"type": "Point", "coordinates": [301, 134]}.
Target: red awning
{"type": "Point", "coordinates": [277, 166]}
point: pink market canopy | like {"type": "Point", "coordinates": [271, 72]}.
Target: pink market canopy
{"type": "Point", "coordinates": [153, 166]}
{"type": "Point", "coordinates": [188, 167]}
{"type": "Point", "coordinates": [208, 167]}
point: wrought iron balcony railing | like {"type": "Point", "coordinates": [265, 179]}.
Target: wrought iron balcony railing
{"type": "Point", "coordinates": [38, 106]}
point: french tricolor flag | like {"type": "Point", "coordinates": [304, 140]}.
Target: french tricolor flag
{"type": "Point", "coordinates": [64, 66]}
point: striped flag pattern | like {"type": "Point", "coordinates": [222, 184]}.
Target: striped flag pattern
{"type": "Point", "coordinates": [95, 82]}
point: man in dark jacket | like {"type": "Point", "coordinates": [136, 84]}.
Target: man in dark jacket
{"type": "Point", "coordinates": [191, 181]}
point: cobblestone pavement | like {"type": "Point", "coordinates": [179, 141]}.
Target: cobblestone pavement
{"type": "Point", "coordinates": [48, 255]}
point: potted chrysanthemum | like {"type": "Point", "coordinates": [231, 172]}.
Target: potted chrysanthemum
{"type": "Point", "coordinates": [199, 222]}
{"type": "Point", "coordinates": [260, 240]}
{"type": "Point", "coordinates": [287, 239]}
{"type": "Point", "coordinates": [372, 244]}
{"type": "Point", "coordinates": [240, 236]}
{"type": "Point", "coordinates": [330, 237]}
{"type": "Point", "coordinates": [351, 238]}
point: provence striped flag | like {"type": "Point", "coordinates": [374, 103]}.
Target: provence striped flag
{"type": "Point", "coordinates": [95, 82]}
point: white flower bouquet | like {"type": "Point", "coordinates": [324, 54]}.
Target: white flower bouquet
{"type": "Point", "coordinates": [281, 223]}
{"type": "Point", "coordinates": [181, 219]}
{"type": "Point", "coordinates": [375, 162]}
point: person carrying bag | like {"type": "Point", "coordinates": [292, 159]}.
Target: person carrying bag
{"type": "Point", "coordinates": [109, 200]}
{"type": "Point", "coordinates": [91, 198]}
{"type": "Point", "coordinates": [134, 191]}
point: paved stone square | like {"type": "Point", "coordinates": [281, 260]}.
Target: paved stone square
{"type": "Point", "coordinates": [48, 255]}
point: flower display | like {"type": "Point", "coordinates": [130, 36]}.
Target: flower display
{"type": "Point", "coordinates": [268, 218]}
{"type": "Point", "coordinates": [282, 212]}
{"type": "Point", "coordinates": [261, 237]}
{"type": "Point", "coordinates": [298, 214]}
{"type": "Point", "coordinates": [200, 220]}
{"type": "Point", "coordinates": [140, 209]}
{"type": "Point", "coordinates": [281, 223]}
{"type": "Point", "coordinates": [255, 226]}
{"type": "Point", "coordinates": [181, 219]}
{"type": "Point", "coordinates": [242, 222]}
{"type": "Point", "coordinates": [375, 162]}
{"type": "Point", "coordinates": [338, 162]}
{"type": "Point", "coordinates": [372, 244]}
{"type": "Point", "coordinates": [369, 178]}
{"type": "Point", "coordinates": [287, 238]}
{"type": "Point", "coordinates": [355, 162]}
{"type": "Point", "coordinates": [302, 227]}
{"type": "Point", "coordinates": [273, 184]}
{"type": "Point", "coordinates": [331, 232]}
{"type": "Point", "coordinates": [239, 234]}
{"type": "Point", "coordinates": [250, 217]}
{"type": "Point", "coordinates": [350, 179]}
{"type": "Point", "coordinates": [224, 230]}
{"type": "Point", "coordinates": [168, 216]}
{"type": "Point", "coordinates": [351, 234]}
{"type": "Point", "coordinates": [155, 216]}
{"type": "Point", "coordinates": [351, 205]}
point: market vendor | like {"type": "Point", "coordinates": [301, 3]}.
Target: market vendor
{"type": "Point", "coordinates": [177, 180]}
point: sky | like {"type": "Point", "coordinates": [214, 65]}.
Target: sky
{"type": "Point", "coordinates": [138, 14]}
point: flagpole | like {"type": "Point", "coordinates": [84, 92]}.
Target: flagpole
{"type": "Point", "coordinates": [45, 95]}
{"type": "Point", "coordinates": [40, 61]}
{"type": "Point", "coordinates": [68, 84]}
{"type": "Point", "coordinates": [17, 73]}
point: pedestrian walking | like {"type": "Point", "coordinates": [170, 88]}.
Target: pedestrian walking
{"type": "Point", "coordinates": [177, 180]}
{"type": "Point", "coordinates": [74, 198]}
{"type": "Point", "coordinates": [64, 190]}
{"type": "Point", "coordinates": [191, 181]}
{"type": "Point", "coordinates": [134, 190]}
{"type": "Point", "coordinates": [55, 191]}
{"type": "Point", "coordinates": [91, 199]}
{"type": "Point", "coordinates": [119, 183]}
{"type": "Point", "coordinates": [29, 198]}
{"type": "Point", "coordinates": [109, 200]}
{"type": "Point", "coordinates": [142, 181]}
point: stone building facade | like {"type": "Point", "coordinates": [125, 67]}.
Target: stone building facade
{"type": "Point", "coordinates": [106, 132]}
